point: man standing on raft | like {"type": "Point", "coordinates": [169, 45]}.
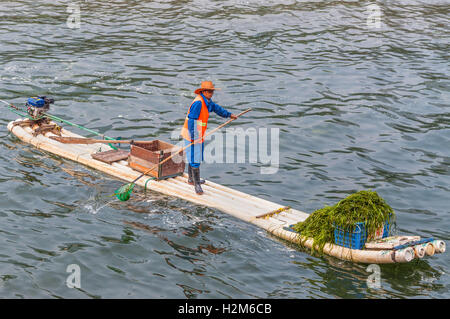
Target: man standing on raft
{"type": "Point", "coordinates": [195, 127]}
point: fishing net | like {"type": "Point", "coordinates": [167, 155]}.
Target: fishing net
{"type": "Point", "coordinates": [124, 192]}
{"type": "Point", "coordinates": [364, 206]}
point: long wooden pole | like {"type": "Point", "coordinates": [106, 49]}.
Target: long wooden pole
{"type": "Point", "coordinates": [82, 140]}
{"type": "Point", "coordinates": [197, 140]}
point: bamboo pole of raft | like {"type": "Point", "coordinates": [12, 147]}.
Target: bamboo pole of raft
{"type": "Point", "coordinates": [429, 249]}
{"type": "Point", "coordinates": [419, 251]}
{"type": "Point", "coordinates": [355, 255]}
{"type": "Point", "coordinates": [439, 246]}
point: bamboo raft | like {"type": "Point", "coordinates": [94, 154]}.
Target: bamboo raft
{"type": "Point", "coordinates": [273, 217]}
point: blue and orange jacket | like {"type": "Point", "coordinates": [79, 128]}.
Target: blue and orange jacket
{"type": "Point", "coordinates": [199, 112]}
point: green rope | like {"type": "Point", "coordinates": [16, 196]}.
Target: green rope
{"type": "Point", "coordinates": [148, 180]}
{"type": "Point", "coordinates": [55, 118]}
{"type": "Point", "coordinates": [24, 114]}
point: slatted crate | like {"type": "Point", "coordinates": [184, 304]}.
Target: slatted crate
{"type": "Point", "coordinates": [147, 154]}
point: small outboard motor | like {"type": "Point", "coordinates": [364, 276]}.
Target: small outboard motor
{"type": "Point", "coordinates": [38, 105]}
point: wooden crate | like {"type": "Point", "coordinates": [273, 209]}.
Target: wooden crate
{"type": "Point", "coordinates": [147, 154]}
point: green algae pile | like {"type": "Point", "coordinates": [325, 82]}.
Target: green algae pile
{"type": "Point", "coordinates": [363, 206]}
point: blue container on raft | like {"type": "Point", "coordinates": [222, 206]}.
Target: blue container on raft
{"type": "Point", "coordinates": [357, 238]}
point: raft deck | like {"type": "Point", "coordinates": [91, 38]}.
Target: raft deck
{"type": "Point", "coordinates": [273, 217]}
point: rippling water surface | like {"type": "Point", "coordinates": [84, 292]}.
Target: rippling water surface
{"type": "Point", "coordinates": [358, 107]}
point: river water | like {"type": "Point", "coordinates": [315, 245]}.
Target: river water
{"type": "Point", "coordinates": [360, 103]}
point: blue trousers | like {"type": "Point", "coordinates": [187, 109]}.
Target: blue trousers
{"type": "Point", "coordinates": [194, 153]}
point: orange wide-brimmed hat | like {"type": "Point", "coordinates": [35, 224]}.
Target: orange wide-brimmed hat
{"type": "Point", "coordinates": [206, 85]}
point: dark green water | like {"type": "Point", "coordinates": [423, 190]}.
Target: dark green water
{"type": "Point", "coordinates": [357, 107]}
